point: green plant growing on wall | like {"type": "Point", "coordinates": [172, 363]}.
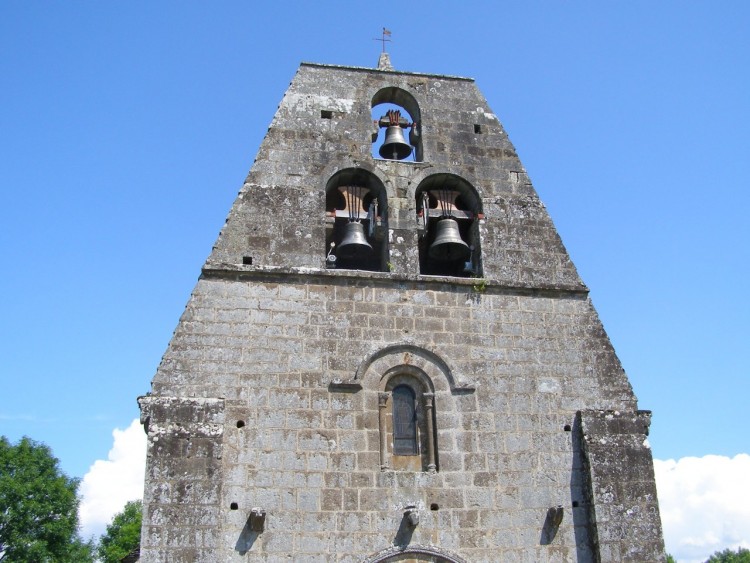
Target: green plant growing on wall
{"type": "Point", "coordinates": [480, 286]}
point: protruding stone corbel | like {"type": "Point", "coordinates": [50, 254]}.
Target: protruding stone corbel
{"type": "Point", "coordinates": [257, 520]}
{"type": "Point", "coordinates": [411, 516]}
{"type": "Point", "coordinates": [552, 524]}
{"type": "Point", "coordinates": [344, 386]}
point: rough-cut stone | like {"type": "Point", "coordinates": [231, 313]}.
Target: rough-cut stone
{"type": "Point", "coordinates": [275, 392]}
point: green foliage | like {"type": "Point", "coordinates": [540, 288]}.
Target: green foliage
{"type": "Point", "coordinates": [742, 555]}
{"type": "Point", "coordinates": [123, 534]}
{"type": "Point", "coordinates": [670, 559]}
{"type": "Point", "coordinates": [38, 507]}
{"type": "Point", "coordinates": [480, 286]}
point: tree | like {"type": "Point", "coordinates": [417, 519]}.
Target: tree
{"type": "Point", "coordinates": [742, 555]}
{"type": "Point", "coordinates": [38, 507]}
{"type": "Point", "coordinates": [123, 534]}
{"type": "Point", "coordinates": [670, 559]}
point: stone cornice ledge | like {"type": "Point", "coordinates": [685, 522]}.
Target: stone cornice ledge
{"type": "Point", "coordinates": [345, 386]}
{"type": "Point", "coordinates": [477, 286]}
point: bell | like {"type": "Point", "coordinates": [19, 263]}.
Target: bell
{"type": "Point", "coordinates": [395, 146]}
{"type": "Point", "coordinates": [354, 242]}
{"type": "Point", "coordinates": [448, 245]}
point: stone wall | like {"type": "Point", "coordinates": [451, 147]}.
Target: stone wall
{"type": "Point", "coordinates": [519, 367]}
{"type": "Point", "coordinates": [275, 393]}
{"type": "Point", "coordinates": [621, 487]}
{"type": "Point", "coordinates": [182, 500]}
{"type": "Point", "coordinates": [277, 218]}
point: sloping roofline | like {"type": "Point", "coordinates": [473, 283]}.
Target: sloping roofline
{"type": "Point", "coordinates": [366, 69]}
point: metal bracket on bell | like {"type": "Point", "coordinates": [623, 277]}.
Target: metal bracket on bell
{"type": "Point", "coordinates": [372, 215]}
{"type": "Point", "coordinates": [331, 257]}
{"type": "Point", "coordinates": [425, 211]}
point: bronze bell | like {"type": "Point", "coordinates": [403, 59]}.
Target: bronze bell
{"type": "Point", "coordinates": [395, 146]}
{"type": "Point", "coordinates": [448, 245]}
{"type": "Point", "coordinates": [354, 242]}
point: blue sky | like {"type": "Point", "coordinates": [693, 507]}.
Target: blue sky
{"type": "Point", "coordinates": [127, 129]}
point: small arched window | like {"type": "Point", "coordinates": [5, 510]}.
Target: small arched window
{"type": "Point", "coordinates": [404, 421]}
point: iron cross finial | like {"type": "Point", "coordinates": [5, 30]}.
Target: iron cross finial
{"type": "Point", "coordinates": [386, 33]}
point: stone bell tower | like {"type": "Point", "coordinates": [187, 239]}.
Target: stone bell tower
{"type": "Point", "coordinates": [392, 357]}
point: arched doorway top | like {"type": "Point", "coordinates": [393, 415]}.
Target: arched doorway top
{"type": "Point", "coordinates": [427, 554]}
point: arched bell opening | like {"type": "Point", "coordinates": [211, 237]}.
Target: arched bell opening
{"type": "Point", "coordinates": [356, 208]}
{"type": "Point", "coordinates": [396, 133]}
{"type": "Point", "coordinates": [448, 215]}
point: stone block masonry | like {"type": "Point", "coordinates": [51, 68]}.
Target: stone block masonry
{"type": "Point", "coordinates": [290, 375]}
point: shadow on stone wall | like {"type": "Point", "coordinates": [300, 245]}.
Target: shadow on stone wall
{"type": "Point", "coordinates": [404, 534]}
{"type": "Point", "coordinates": [551, 525]}
{"type": "Point", "coordinates": [579, 496]}
{"type": "Point", "coordinates": [246, 540]}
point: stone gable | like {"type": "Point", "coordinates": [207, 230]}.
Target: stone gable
{"type": "Point", "coordinates": [299, 363]}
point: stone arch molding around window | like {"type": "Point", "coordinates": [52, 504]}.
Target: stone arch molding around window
{"type": "Point", "coordinates": [406, 380]}
{"type": "Point", "coordinates": [371, 368]}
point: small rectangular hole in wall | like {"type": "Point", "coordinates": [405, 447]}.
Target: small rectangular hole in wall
{"type": "Point", "coordinates": [477, 128]}
{"type": "Point", "coordinates": [247, 260]}
{"type": "Point", "coordinates": [326, 114]}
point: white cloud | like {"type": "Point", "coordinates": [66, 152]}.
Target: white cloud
{"type": "Point", "coordinates": [704, 504]}
{"type": "Point", "coordinates": [111, 483]}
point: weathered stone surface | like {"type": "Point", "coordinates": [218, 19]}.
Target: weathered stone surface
{"type": "Point", "coordinates": [621, 488]}
{"type": "Point", "coordinates": [275, 391]}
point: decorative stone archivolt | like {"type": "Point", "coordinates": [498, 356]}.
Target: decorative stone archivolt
{"type": "Point", "coordinates": [372, 369]}
{"type": "Point", "coordinates": [407, 378]}
{"type": "Point", "coordinates": [414, 553]}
